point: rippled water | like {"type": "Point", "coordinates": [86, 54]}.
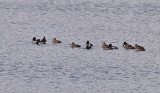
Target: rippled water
{"type": "Point", "coordinates": [58, 68]}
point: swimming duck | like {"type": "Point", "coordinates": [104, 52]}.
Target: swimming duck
{"type": "Point", "coordinates": [104, 45]}
{"type": "Point", "coordinates": [56, 41]}
{"type": "Point", "coordinates": [127, 46]}
{"type": "Point", "coordinates": [34, 40]}
{"type": "Point", "coordinates": [38, 42]}
{"type": "Point", "coordinates": [75, 45]}
{"type": "Point", "coordinates": [113, 47]}
{"type": "Point", "coordinates": [107, 48]}
{"type": "Point", "coordinates": [88, 45]}
{"type": "Point", "coordinates": [43, 41]}
{"type": "Point", "coordinates": [139, 48]}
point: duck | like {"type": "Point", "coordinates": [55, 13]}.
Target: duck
{"type": "Point", "coordinates": [43, 41]}
{"type": "Point", "coordinates": [75, 45]}
{"type": "Point", "coordinates": [113, 47]}
{"type": "Point", "coordinates": [56, 41]}
{"type": "Point", "coordinates": [88, 45]}
{"type": "Point", "coordinates": [38, 42]}
{"type": "Point", "coordinates": [106, 47]}
{"type": "Point", "coordinates": [139, 48]}
{"type": "Point", "coordinates": [127, 46]}
{"type": "Point", "coordinates": [34, 40]}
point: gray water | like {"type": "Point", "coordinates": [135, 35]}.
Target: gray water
{"type": "Point", "coordinates": [58, 68]}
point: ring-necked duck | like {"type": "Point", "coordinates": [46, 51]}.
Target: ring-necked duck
{"type": "Point", "coordinates": [127, 46]}
{"type": "Point", "coordinates": [139, 48]}
{"type": "Point", "coordinates": [75, 45]}
{"type": "Point", "coordinates": [56, 41]}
